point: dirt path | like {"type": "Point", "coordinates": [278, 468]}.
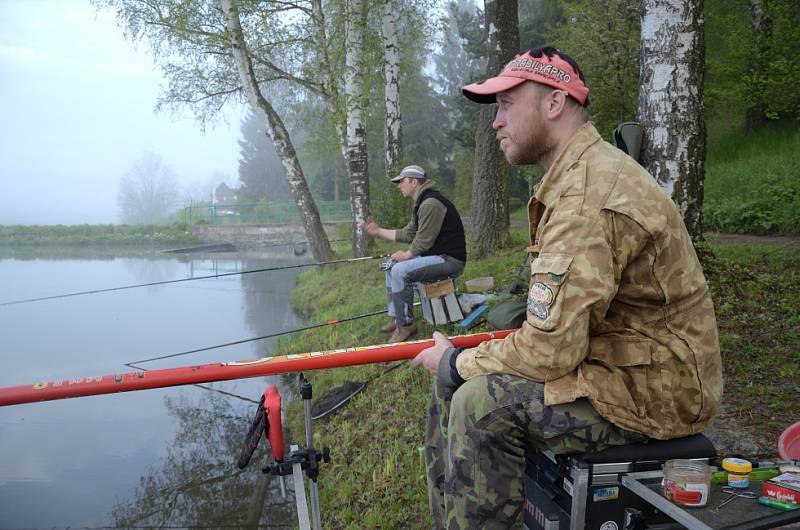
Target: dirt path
{"type": "Point", "coordinates": [732, 239]}
{"type": "Point", "coordinates": [751, 239]}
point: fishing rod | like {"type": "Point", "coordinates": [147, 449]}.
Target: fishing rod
{"type": "Point", "coordinates": [206, 373]}
{"type": "Point", "coordinates": [164, 282]}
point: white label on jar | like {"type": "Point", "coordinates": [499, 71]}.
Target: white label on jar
{"type": "Point", "coordinates": [686, 493]}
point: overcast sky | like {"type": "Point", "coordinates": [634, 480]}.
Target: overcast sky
{"type": "Point", "coordinates": [76, 112]}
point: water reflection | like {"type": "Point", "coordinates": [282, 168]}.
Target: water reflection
{"type": "Point", "coordinates": [196, 483]}
{"type": "Point", "coordinates": [160, 457]}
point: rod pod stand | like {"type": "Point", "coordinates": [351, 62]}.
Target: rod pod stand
{"type": "Point", "coordinates": [300, 460]}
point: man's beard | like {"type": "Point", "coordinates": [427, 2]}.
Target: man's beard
{"type": "Point", "coordinates": [535, 149]}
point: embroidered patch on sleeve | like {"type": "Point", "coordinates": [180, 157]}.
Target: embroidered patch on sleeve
{"type": "Point", "coordinates": [540, 298]}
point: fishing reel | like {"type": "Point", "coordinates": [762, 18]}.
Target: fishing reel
{"type": "Point", "coordinates": [387, 264]}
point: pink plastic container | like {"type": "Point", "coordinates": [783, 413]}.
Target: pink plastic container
{"type": "Point", "coordinates": [789, 442]}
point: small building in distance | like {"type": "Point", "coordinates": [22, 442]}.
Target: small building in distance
{"type": "Point", "coordinates": [224, 195]}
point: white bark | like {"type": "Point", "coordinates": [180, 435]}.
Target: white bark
{"type": "Point", "coordinates": [391, 88]}
{"type": "Point", "coordinates": [356, 132]}
{"type": "Point", "coordinates": [309, 215]}
{"type": "Point", "coordinates": [671, 102]}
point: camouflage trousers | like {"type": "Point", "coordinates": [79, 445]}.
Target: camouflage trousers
{"type": "Point", "coordinates": [476, 441]}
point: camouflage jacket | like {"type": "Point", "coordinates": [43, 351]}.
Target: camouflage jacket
{"type": "Point", "coordinates": [618, 307]}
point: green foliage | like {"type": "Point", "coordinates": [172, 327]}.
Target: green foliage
{"type": "Point", "coordinates": [752, 71]}
{"type": "Point", "coordinates": [463, 163]}
{"type": "Point", "coordinates": [155, 235]}
{"type": "Point", "coordinates": [537, 18]}
{"type": "Point", "coordinates": [389, 208]}
{"type": "Point", "coordinates": [753, 181]}
{"type": "Point", "coordinates": [728, 40]}
{"type": "Point", "coordinates": [603, 38]}
{"type": "Point", "coordinates": [774, 61]}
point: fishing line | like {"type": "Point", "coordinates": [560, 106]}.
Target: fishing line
{"type": "Point", "coordinates": [133, 364]}
{"type": "Point", "coordinates": [204, 387]}
{"type": "Point", "coordinates": [164, 282]}
{"type": "Point", "coordinates": [279, 333]}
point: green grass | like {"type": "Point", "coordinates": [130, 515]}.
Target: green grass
{"type": "Point", "coordinates": [756, 290]}
{"type": "Point", "coordinates": [376, 477]}
{"type": "Point", "coordinates": [753, 181]}
{"type": "Point", "coordinates": [79, 235]}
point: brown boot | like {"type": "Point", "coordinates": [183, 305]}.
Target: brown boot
{"type": "Point", "coordinates": [389, 326]}
{"type": "Point", "coordinates": [403, 333]}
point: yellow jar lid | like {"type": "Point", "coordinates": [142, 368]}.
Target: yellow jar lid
{"type": "Point", "coordinates": [737, 465]}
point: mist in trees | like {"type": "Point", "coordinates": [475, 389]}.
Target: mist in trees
{"type": "Point", "coordinates": [148, 192]}
{"type": "Point", "coordinates": [260, 171]}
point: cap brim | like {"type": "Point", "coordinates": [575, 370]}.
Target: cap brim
{"type": "Point", "coordinates": [398, 178]}
{"type": "Point", "coordinates": [485, 91]}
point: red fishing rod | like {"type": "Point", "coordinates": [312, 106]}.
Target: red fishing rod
{"type": "Point", "coordinates": [206, 373]}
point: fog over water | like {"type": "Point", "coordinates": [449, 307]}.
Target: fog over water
{"type": "Point", "coordinates": [76, 101]}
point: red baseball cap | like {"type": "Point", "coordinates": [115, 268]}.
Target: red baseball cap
{"type": "Point", "coordinates": [550, 70]}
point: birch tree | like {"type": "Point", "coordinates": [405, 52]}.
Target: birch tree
{"type": "Point", "coordinates": [391, 72]}
{"type": "Point", "coordinates": [490, 220]}
{"type": "Point", "coordinates": [671, 102]}
{"type": "Point", "coordinates": [309, 214]}
{"type": "Point", "coordinates": [356, 131]}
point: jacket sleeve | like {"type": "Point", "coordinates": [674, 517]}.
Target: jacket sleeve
{"type": "Point", "coordinates": [572, 283]}
{"type": "Point", "coordinates": [407, 233]}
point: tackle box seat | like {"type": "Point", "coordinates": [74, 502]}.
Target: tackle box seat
{"type": "Point", "coordinates": [695, 446]}
{"type": "Point", "coordinates": [439, 301]}
{"type": "Point", "coordinates": [584, 490]}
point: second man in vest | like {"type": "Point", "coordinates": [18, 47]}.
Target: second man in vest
{"type": "Point", "coordinates": [437, 247]}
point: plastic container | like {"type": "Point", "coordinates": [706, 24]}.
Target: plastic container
{"type": "Point", "coordinates": [738, 470]}
{"type": "Point", "coordinates": [479, 285]}
{"type": "Point", "coordinates": [687, 482]}
{"type": "Point", "coordinates": [789, 442]}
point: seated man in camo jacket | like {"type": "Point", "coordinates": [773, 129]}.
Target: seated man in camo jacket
{"type": "Point", "coordinates": [620, 339]}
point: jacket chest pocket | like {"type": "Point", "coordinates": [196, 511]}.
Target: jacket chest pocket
{"type": "Point", "coordinates": [548, 275]}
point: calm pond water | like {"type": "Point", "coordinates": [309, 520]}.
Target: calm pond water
{"type": "Point", "coordinates": [156, 457]}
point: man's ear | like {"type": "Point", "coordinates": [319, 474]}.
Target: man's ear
{"type": "Point", "coordinates": [556, 103]}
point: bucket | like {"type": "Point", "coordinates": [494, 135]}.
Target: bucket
{"type": "Point", "coordinates": [789, 442]}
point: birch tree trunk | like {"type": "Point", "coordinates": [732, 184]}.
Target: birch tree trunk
{"type": "Point", "coordinates": [356, 133]}
{"type": "Point", "coordinates": [671, 102]}
{"type": "Point", "coordinates": [490, 221]}
{"type": "Point", "coordinates": [309, 214]}
{"type": "Point", "coordinates": [391, 89]}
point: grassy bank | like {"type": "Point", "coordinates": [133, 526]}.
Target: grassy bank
{"type": "Point", "coordinates": [753, 181]}
{"type": "Point", "coordinates": [86, 235]}
{"type": "Point", "coordinates": [377, 478]}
